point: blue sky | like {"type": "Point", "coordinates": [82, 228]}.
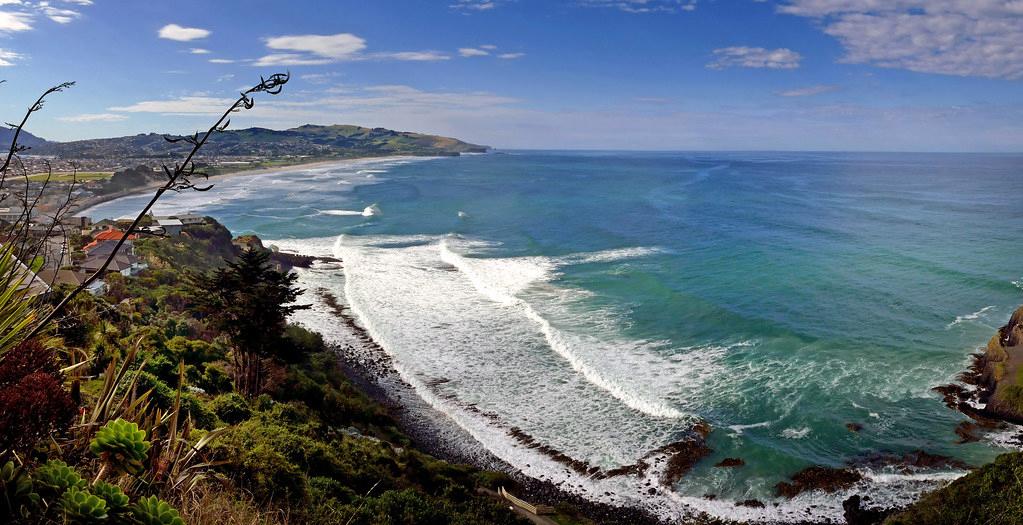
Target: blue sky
{"type": "Point", "coordinates": [909, 75]}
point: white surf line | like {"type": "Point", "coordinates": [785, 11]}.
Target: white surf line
{"type": "Point", "coordinates": [493, 438]}
{"type": "Point", "coordinates": [558, 343]}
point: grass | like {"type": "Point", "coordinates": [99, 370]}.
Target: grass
{"type": "Point", "coordinates": [67, 176]}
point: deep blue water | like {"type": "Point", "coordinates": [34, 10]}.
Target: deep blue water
{"type": "Point", "coordinates": [601, 301]}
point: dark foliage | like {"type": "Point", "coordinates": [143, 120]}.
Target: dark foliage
{"type": "Point", "coordinates": [249, 302]}
{"type": "Point", "coordinates": [33, 402]}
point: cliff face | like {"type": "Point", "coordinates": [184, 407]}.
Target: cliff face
{"type": "Point", "coordinates": [1002, 372]}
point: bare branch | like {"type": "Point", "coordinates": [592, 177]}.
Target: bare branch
{"type": "Point", "coordinates": [177, 180]}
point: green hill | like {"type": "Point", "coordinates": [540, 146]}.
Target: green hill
{"type": "Point", "coordinates": [337, 141]}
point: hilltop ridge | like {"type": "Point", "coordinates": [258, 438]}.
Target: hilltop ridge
{"type": "Point", "coordinates": [334, 141]}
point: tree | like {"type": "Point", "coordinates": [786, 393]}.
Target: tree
{"type": "Point", "coordinates": [249, 302]}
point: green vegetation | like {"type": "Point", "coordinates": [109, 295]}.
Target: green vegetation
{"type": "Point", "coordinates": [67, 176]}
{"type": "Point", "coordinates": [163, 435]}
{"type": "Point", "coordinates": [991, 494]}
{"type": "Point", "coordinates": [306, 143]}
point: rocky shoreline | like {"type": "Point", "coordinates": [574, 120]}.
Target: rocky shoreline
{"type": "Point", "coordinates": [369, 367]}
{"type": "Point", "coordinates": [990, 391]}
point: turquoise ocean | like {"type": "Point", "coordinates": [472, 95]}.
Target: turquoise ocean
{"type": "Point", "coordinates": [603, 302]}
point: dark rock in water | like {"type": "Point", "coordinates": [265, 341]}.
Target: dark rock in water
{"type": "Point", "coordinates": [818, 478]}
{"type": "Point", "coordinates": [856, 514]}
{"type": "Point", "coordinates": [710, 497]}
{"type": "Point", "coordinates": [853, 427]}
{"type": "Point", "coordinates": [731, 462]}
{"type": "Point", "coordinates": [753, 503]}
{"type": "Point", "coordinates": [965, 430]}
{"type": "Point", "coordinates": [683, 455]}
{"type": "Point", "coordinates": [910, 462]}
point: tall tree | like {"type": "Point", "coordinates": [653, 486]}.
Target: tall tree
{"type": "Point", "coordinates": [248, 301]}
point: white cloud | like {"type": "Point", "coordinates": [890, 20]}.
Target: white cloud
{"type": "Point", "coordinates": [488, 47]}
{"type": "Point", "coordinates": [511, 56]}
{"type": "Point", "coordinates": [474, 5]}
{"type": "Point", "coordinates": [313, 50]}
{"type": "Point", "coordinates": [59, 15]}
{"type": "Point", "coordinates": [415, 56]}
{"type": "Point", "coordinates": [94, 117]}
{"type": "Point", "coordinates": [644, 6]}
{"type": "Point", "coordinates": [199, 51]}
{"type": "Point", "coordinates": [339, 46]}
{"type": "Point", "coordinates": [182, 34]}
{"type": "Point", "coordinates": [221, 61]}
{"type": "Point", "coordinates": [14, 22]}
{"type": "Point", "coordinates": [472, 52]}
{"type": "Point", "coordinates": [952, 37]}
{"type": "Point", "coordinates": [290, 59]}
{"type": "Point", "coordinates": [755, 57]}
{"type": "Point", "coordinates": [7, 57]}
{"type": "Point", "coordinates": [808, 91]}
{"type": "Point", "coordinates": [196, 105]}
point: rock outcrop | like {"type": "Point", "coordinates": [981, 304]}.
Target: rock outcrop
{"type": "Point", "coordinates": [1000, 370]}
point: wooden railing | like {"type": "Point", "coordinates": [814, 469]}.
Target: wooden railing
{"type": "Point", "coordinates": [524, 505]}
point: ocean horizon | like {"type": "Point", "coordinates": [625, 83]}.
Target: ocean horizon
{"type": "Point", "coordinates": [606, 303]}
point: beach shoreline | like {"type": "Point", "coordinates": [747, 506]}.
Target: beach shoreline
{"type": "Point", "coordinates": [369, 367]}
{"type": "Point", "coordinates": [82, 207]}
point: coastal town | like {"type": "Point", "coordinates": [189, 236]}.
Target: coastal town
{"type": "Point", "coordinates": [78, 247]}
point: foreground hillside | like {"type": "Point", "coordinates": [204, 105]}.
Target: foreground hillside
{"type": "Point", "coordinates": [160, 422]}
{"type": "Point", "coordinates": [337, 141]}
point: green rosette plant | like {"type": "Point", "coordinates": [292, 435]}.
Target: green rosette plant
{"type": "Point", "coordinates": [154, 511]}
{"type": "Point", "coordinates": [121, 445]}
{"type": "Point", "coordinates": [117, 500]}
{"type": "Point", "coordinates": [16, 495]}
{"type": "Point", "coordinates": [55, 477]}
{"type": "Point", "coordinates": [82, 507]}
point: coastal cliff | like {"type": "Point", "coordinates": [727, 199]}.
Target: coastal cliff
{"type": "Point", "coordinates": [993, 493]}
{"type": "Point", "coordinates": [1001, 372]}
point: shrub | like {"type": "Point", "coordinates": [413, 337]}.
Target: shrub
{"type": "Point", "coordinates": [214, 380]}
{"type": "Point", "coordinates": [231, 408]}
{"type": "Point", "coordinates": [33, 402]}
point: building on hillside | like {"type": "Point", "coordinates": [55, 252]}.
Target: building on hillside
{"type": "Point", "coordinates": [11, 214]}
{"type": "Point", "coordinates": [169, 227]}
{"type": "Point", "coordinates": [190, 219]}
{"type": "Point", "coordinates": [122, 263]}
{"type": "Point", "coordinates": [80, 222]}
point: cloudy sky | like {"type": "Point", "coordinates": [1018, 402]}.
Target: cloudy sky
{"type": "Point", "coordinates": [908, 75]}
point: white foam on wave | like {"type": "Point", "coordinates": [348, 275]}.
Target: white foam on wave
{"type": "Point", "coordinates": [502, 279]}
{"type": "Point", "coordinates": [437, 323]}
{"type": "Point", "coordinates": [368, 211]}
{"type": "Point", "coordinates": [969, 317]}
{"type": "Point", "coordinates": [1018, 284]}
{"type": "Point", "coordinates": [795, 433]}
{"type": "Point", "coordinates": [342, 213]}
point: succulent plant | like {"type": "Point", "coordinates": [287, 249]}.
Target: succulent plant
{"type": "Point", "coordinates": [121, 445]}
{"type": "Point", "coordinates": [153, 511]}
{"type": "Point", "coordinates": [117, 500]}
{"type": "Point", "coordinates": [54, 477]}
{"type": "Point", "coordinates": [16, 495]}
{"type": "Point", "coordinates": [82, 507]}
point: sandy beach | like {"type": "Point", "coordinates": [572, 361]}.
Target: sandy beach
{"type": "Point", "coordinates": [83, 206]}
